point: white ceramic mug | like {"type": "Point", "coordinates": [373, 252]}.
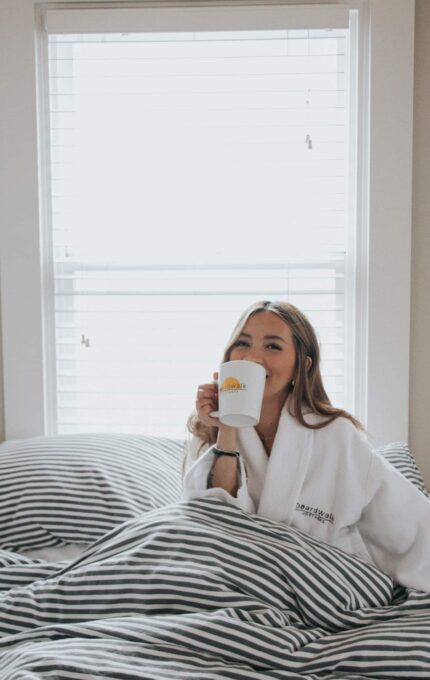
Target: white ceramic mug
{"type": "Point", "coordinates": [240, 393]}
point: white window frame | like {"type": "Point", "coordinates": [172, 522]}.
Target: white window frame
{"type": "Point", "coordinates": [382, 328]}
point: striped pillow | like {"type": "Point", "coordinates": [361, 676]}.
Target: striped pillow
{"type": "Point", "coordinates": [398, 454]}
{"type": "Point", "coordinates": [75, 488]}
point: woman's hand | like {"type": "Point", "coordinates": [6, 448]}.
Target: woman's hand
{"type": "Point", "coordinates": [207, 401]}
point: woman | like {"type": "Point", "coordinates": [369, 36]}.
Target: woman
{"type": "Point", "coordinates": [306, 463]}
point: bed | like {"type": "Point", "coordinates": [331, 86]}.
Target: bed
{"type": "Point", "coordinates": [106, 573]}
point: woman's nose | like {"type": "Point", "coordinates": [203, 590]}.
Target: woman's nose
{"type": "Point", "coordinates": [255, 356]}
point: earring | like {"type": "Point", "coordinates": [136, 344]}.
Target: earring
{"type": "Point", "coordinates": [293, 382]}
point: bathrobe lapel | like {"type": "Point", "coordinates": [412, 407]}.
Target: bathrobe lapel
{"type": "Point", "coordinates": [256, 461]}
{"type": "Point", "coordinates": [275, 482]}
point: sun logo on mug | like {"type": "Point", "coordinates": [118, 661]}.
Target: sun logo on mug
{"type": "Point", "coordinates": [230, 384]}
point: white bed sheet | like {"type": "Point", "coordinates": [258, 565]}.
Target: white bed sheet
{"type": "Point", "coordinates": [66, 552]}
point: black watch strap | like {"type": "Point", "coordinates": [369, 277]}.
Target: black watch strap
{"type": "Point", "coordinates": [219, 452]}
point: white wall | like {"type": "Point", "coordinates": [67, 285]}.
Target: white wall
{"type": "Point", "coordinates": [1, 391]}
{"type": "Point", "coordinates": [19, 217]}
{"type": "Point", "coordinates": [419, 419]}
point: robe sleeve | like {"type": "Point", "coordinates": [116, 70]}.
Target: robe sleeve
{"type": "Point", "coordinates": [199, 461]}
{"type": "Point", "coordinates": [395, 525]}
{"type": "Point", "coordinates": [194, 447]}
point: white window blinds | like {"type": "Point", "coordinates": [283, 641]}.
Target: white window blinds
{"type": "Point", "coordinates": [189, 174]}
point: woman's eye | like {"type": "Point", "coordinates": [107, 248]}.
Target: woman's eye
{"type": "Point", "coordinates": [273, 345]}
{"type": "Point", "coordinates": [241, 343]}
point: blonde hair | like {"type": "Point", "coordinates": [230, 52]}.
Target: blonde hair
{"type": "Point", "coordinates": [307, 393]}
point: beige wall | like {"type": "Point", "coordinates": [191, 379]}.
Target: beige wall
{"type": "Point", "coordinates": [419, 423]}
{"type": "Point", "coordinates": [1, 391]}
{"type": "Point", "coordinates": [419, 433]}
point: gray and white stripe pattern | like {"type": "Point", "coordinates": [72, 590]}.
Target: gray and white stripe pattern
{"type": "Point", "coordinates": [203, 590]}
{"type": "Point", "coordinates": [399, 455]}
{"type": "Point", "coordinates": [75, 488]}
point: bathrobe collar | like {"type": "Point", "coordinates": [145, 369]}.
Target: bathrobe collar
{"type": "Point", "coordinates": [275, 481]}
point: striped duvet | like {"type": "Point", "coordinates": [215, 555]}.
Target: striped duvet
{"type": "Point", "coordinates": [203, 590]}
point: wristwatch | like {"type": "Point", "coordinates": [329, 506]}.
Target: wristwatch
{"type": "Point", "coordinates": [220, 452]}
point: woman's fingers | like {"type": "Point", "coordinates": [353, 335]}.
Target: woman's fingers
{"type": "Point", "coordinates": [207, 391]}
{"type": "Point", "coordinates": [206, 402]}
{"type": "Point", "coordinates": [206, 405]}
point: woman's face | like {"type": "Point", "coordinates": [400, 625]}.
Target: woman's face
{"type": "Point", "coordinates": [268, 341]}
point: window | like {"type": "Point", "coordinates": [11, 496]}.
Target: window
{"type": "Point", "coordinates": [192, 173]}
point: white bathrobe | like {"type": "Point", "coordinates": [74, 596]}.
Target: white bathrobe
{"type": "Point", "coordinates": [330, 484]}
